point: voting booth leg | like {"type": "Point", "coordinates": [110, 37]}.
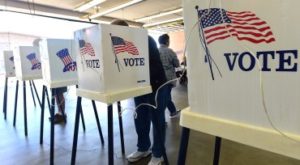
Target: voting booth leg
{"type": "Point", "coordinates": [217, 150]}
{"type": "Point", "coordinates": [30, 84]}
{"type": "Point", "coordinates": [52, 126]}
{"type": "Point", "coordinates": [82, 120]}
{"type": "Point", "coordinates": [184, 141]}
{"type": "Point", "coordinates": [25, 107]}
{"type": "Point", "coordinates": [5, 99]}
{"type": "Point", "coordinates": [48, 101]}
{"type": "Point", "coordinates": [42, 115]}
{"type": "Point", "coordinates": [121, 127]}
{"type": "Point", "coordinates": [16, 103]}
{"type": "Point", "coordinates": [110, 134]}
{"type": "Point", "coordinates": [98, 122]}
{"type": "Point", "coordinates": [76, 127]}
{"type": "Point", "coordinates": [36, 93]}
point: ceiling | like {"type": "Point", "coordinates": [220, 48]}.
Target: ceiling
{"type": "Point", "coordinates": [67, 9]}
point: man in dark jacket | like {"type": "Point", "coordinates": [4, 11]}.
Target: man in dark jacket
{"type": "Point", "coordinates": [146, 114]}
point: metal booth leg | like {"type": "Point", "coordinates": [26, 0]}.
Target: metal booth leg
{"type": "Point", "coordinates": [75, 138]}
{"type": "Point", "coordinates": [185, 134]}
{"type": "Point", "coordinates": [98, 122]}
{"type": "Point", "coordinates": [52, 126]}
{"type": "Point", "coordinates": [46, 92]}
{"type": "Point", "coordinates": [25, 107]}
{"type": "Point", "coordinates": [110, 135]}
{"type": "Point", "coordinates": [121, 127]}
{"type": "Point", "coordinates": [217, 150]}
{"type": "Point", "coordinates": [16, 103]}
{"type": "Point", "coordinates": [36, 93]}
{"type": "Point", "coordinates": [5, 99]}
{"type": "Point", "coordinates": [82, 119]}
{"type": "Point", "coordinates": [30, 84]}
{"type": "Point", "coordinates": [42, 114]}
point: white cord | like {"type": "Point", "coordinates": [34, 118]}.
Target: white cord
{"type": "Point", "coordinates": [260, 85]}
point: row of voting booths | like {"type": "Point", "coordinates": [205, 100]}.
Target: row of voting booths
{"type": "Point", "coordinates": [107, 63]}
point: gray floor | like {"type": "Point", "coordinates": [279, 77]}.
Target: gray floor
{"type": "Point", "coordinates": [15, 148]}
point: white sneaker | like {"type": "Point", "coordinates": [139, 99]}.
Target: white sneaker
{"type": "Point", "coordinates": [137, 155]}
{"type": "Point", "coordinates": [156, 161]}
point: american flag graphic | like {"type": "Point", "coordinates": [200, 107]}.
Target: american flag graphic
{"type": "Point", "coordinates": [34, 61]}
{"type": "Point", "coordinates": [64, 55]}
{"type": "Point", "coordinates": [219, 24]}
{"type": "Point", "coordinates": [86, 48]}
{"type": "Point", "coordinates": [120, 45]}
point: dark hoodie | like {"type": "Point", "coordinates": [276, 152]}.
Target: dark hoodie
{"type": "Point", "coordinates": [157, 73]}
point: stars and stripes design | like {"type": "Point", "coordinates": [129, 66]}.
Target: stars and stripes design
{"type": "Point", "coordinates": [36, 64]}
{"type": "Point", "coordinates": [219, 24]}
{"type": "Point", "coordinates": [120, 45]}
{"type": "Point", "coordinates": [69, 64]}
{"type": "Point", "coordinates": [86, 48]}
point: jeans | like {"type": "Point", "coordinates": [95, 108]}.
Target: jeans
{"type": "Point", "coordinates": [170, 104]}
{"type": "Point", "coordinates": [146, 114]}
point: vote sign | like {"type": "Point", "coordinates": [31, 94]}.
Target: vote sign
{"type": "Point", "coordinates": [59, 65]}
{"type": "Point", "coordinates": [112, 58]}
{"type": "Point", "coordinates": [7, 63]}
{"type": "Point", "coordinates": [27, 63]}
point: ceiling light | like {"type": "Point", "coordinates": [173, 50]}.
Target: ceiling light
{"type": "Point", "coordinates": [88, 5]}
{"type": "Point", "coordinates": [162, 22]}
{"type": "Point", "coordinates": [159, 15]}
{"type": "Point", "coordinates": [100, 21]}
{"type": "Point", "coordinates": [116, 8]}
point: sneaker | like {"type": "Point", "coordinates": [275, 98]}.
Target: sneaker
{"type": "Point", "coordinates": [137, 155]}
{"type": "Point", "coordinates": [156, 161]}
{"type": "Point", "coordinates": [174, 114]}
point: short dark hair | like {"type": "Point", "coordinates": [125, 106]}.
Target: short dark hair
{"type": "Point", "coordinates": [119, 22]}
{"type": "Point", "coordinates": [163, 39]}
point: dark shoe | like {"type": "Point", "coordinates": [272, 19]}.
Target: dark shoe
{"type": "Point", "coordinates": [174, 114]}
{"type": "Point", "coordinates": [59, 119]}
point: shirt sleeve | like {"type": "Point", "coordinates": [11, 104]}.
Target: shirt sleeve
{"type": "Point", "coordinates": [175, 60]}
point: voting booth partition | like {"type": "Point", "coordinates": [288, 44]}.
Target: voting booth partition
{"type": "Point", "coordinates": [7, 63]}
{"type": "Point", "coordinates": [112, 59]}
{"type": "Point", "coordinates": [28, 68]}
{"type": "Point", "coordinates": [7, 67]}
{"type": "Point", "coordinates": [58, 61]}
{"type": "Point", "coordinates": [243, 72]}
{"type": "Point", "coordinates": [113, 65]}
{"type": "Point", "coordinates": [28, 63]}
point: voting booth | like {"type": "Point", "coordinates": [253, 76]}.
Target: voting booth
{"type": "Point", "coordinates": [28, 63]}
{"type": "Point", "coordinates": [7, 63]}
{"type": "Point", "coordinates": [113, 62]}
{"type": "Point", "coordinates": [243, 71]}
{"type": "Point", "coordinates": [58, 61]}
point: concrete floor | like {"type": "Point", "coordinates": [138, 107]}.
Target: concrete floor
{"type": "Point", "coordinates": [15, 148]}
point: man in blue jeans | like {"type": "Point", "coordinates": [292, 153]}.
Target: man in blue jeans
{"type": "Point", "coordinates": [170, 63]}
{"type": "Point", "coordinates": [146, 114]}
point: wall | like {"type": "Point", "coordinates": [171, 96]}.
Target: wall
{"type": "Point", "coordinates": [177, 43]}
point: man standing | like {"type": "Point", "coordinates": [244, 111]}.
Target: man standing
{"type": "Point", "coordinates": [170, 62]}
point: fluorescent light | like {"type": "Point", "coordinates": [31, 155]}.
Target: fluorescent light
{"type": "Point", "coordinates": [162, 22]}
{"type": "Point", "coordinates": [88, 5]}
{"type": "Point", "coordinates": [159, 15]}
{"type": "Point", "coordinates": [115, 8]}
{"type": "Point", "coordinates": [101, 21]}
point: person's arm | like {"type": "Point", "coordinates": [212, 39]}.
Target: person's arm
{"type": "Point", "coordinates": [175, 60]}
